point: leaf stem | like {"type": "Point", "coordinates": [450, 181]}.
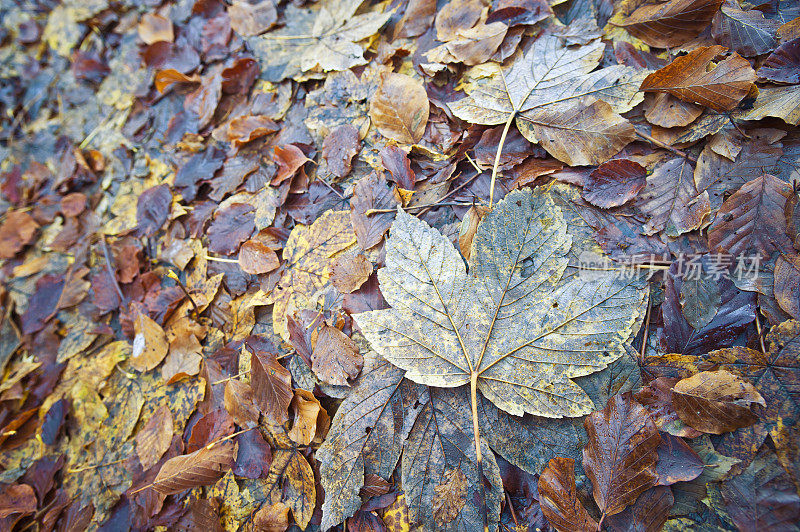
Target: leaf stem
{"type": "Point", "coordinates": [666, 146]}
{"type": "Point", "coordinates": [497, 156]}
{"type": "Point", "coordinates": [476, 433]}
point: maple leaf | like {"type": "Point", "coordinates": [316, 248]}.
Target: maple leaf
{"type": "Point", "coordinates": [322, 39]}
{"type": "Point", "coordinates": [557, 100]}
{"type": "Point", "coordinates": [511, 326]}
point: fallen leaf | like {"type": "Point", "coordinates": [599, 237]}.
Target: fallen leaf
{"type": "Point", "coordinates": [200, 468]}
{"type": "Point", "coordinates": [339, 148]}
{"type": "Point", "coordinates": [550, 92]}
{"type": "Point", "coordinates": [371, 193]}
{"type": "Point", "coordinates": [311, 421]}
{"type": "Point", "coordinates": [290, 159]}
{"type": "Point", "coordinates": [16, 232]}
{"type": "Point", "coordinates": [450, 495]}
{"type": "Point", "coordinates": [614, 183]}
{"type": "Point", "coordinates": [677, 462]}
{"type": "Point", "coordinates": [693, 78]}
{"type": "Point", "coordinates": [231, 227]}
{"type": "Point", "coordinates": [559, 497]}
{"type": "Point", "coordinates": [256, 258]}
{"type": "Point", "coordinates": [327, 37]}
{"type": "Point", "coordinates": [153, 28]}
{"type": "Point", "coordinates": [400, 108]}
{"type": "Point", "coordinates": [349, 272]}
{"type": "Point", "coordinates": [17, 499]}
{"type": "Point", "coordinates": [715, 401]}
{"type": "Point", "coordinates": [782, 65]}
{"type": "Point", "coordinates": [668, 111]}
{"type": "Point", "coordinates": [272, 387]}
{"type": "Point", "coordinates": [252, 18]}
{"type": "Point", "coordinates": [456, 326]}
{"type": "Point", "coordinates": [620, 458]}
{"type": "Point", "coordinates": [780, 102]}
{"type": "Point", "coordinates": [648, 514]}
{"type": "Point", "coordinates": [751, 222]}
{"type": "Point", "coordinates": [336, 357]}
{"type": "Point", "coordinates": [668, 24]}
{"type": "Point", "coordinates": [747, 32]}
{"type": "Point", "coordinates": [150, 344]}
{"type": "Point", "coordinates": [154, 438]}
{"type": "Point", "coordinates": [272, 518]}
{"type": "Point", "coordinates": [240, 403]}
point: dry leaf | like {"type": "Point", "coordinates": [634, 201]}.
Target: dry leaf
{"type": "Point", "coordinates": [335, 358]}
{"type": "Point", "coordinates": [150, 344]}
{"type": "Point", "coordinates": [200, 468]}
{"type": "Point", "coordinates": [349, 272]}
{"type": "Point", "coordinates": [153, 440]}
{"type": "Point", "coordinates": [400, 108]}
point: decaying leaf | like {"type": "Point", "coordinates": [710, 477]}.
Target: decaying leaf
{"type": "Point", "coordinates": [669, 23]}
{"type": "Point", "coordinates": [349, 272]}
{"type": "Point", "coordinates": [559, 498]}
{"type": "Point", "coordinates": [693, 79]}
{"type": "Point", "coordinates": [202, 467]}
{"type": "Point", "coordinates": [450, 497]}
{"type": "Point", "coordinates": [716, 401]}
{"type": "Point", "coordinates": [400, 108]}
{"type": "Point", "coordinates": [272, 387]}
{"type": "Point", "coordinates": [149, 345]}
{"type": "Point", "coordinates": [153, 440]}
{"type": "Point", "coordinates": [620, 458]}
{"type": "Point", "coordinates": [335, 358]}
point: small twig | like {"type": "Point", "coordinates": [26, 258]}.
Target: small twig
{"type": "Point", "coordinates": [760, 335]}
{"type": "Point", "coordinates": [511, 509]}
{"type": "Point", "coordinates": [110, 271]}
{"type": "Point", "coordinates": [428, 206]}
{"type": "Point", "coordinates": [646, 330]}
{"type": "Point", "coordinates": [324, 182]}
{"type": "Point", "coordinates": [473, 163]}
{"type": "Point", "coordinates": [86, 468]}
{"type": "Point", "coordinates": [666, 146]}
{"type": "Point", "coordinates": [172, 275]}
{"type": "Point", "coordinates": [220, 259]}
{"type": "Point", "coordinates": [226, 379]}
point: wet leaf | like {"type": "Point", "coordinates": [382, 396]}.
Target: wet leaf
{"type": "Point", "coordinates": [252, 18]}
{"type": "Point", "coordinates": [715, 401]}
{"type": "Point", "coordinates": [231, 227]}
{"type": "Point", "coordinates": [693, 79]}
{"type": "Point", "coordinates": [677, 462]}
{"type": "Point", "coordinates": [153, 440]}
{"type": "Point", "coordinates": [335, 358]}
{"type": "Point", "coordinates": [559, 498]}
{"type": "Point", "coordinates": [369, 194]}
{"type": "Point", "coordinates": [782, 65]}
{"type": "Point", "coordinates": [670, 23]}
{"type": "Point", "coordinates": [647, 514]}
{"type": "Point", "coordinates": [620, 458]}
{"type": "Point", "coordinates": [339, 148]}
{"type": "Point", "coordinates": [614, 183]}
{"type": "Point", "coordinates": [400, 108]}
{"type": "Point", "coordinates": [16, 231]}
{"type": "Point", "coordinates": [556, 99]}
{"type": "Point", "coordinates": [256, 258]}
{"type": "Point", "coordinates": [272, 387]}
{"type": "Point", "coordinates": [202, 467]}
{"type": "Point", "coordinates": [747, 32]}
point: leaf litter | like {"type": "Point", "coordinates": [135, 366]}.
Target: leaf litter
{"type": "Point", "coordinates": [362, 265]}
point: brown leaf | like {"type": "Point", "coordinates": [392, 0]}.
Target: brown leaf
{"type": "Point", "coordinates": [469, 226]}
{"type": "Point", "coordinates": [559, 498]}
{"type": "Point", "coordinates": [787, 284]}
{"type": "Point", "coordinates": [677, 462]}
{"type": "Point", "coordinates": [272, 387]}
{"type": "Point", "coordinates": [450, 496]}
{"type": "Point", "coordinates": [150, 344]}
{"type": "Point", "coordinates": [694, 78]}
{"type": "Point", "coordinates": [476, 45]}
{"type": "Point", "coordinates": [154, 28]}
{"type": "Point", "coordinates": [290, 159]}
{"type": "Point", "coordinates": [349, 272]}
{"type": "Point", "coordinates": [647, 514]}
{"type": "Point", "coordinates": [200, 468]}
{"type": "Point", "coordinates": [17, 499]}
{"type": "Point", "coordinates": [255, 258]}
{"type": "Point", "coordinates": [747, 32]}
{"type": "Point", "coordinates": [752, 220]}
{"type": "Point", "coordinates": [202, 515]}
{"type": "Point", "coordinates": [335, 357]}
{"type": "Point", "coordinates": [620, 458]}
{"type": "Point", "coordinates": [272, 518]}
{"type": "Point", "coordinates": [252, 18]}
{"type": "Point", "coordinates": [240, 404]}
{"type": "Point", "coordinates": [339, 148]}
{"type": "Point", "coordinates": [203, 101]}
{"type": "Point", "coordinates": [152, 209]}
{"type": "Point", "coordinates": [656, 397]}
{"type": "Point", "coordinates": [614, 183]}
{"type": "Point", "coordinates": [668, 111]}
{"type": "Point", "coordinates": [231, 226]}
{"type": "Point", "coordinates": [311, 421]}
{"type": "Point", "coordinates": [417, 18]}
{"type": "Point", "coordinates": [17, 231]}
{"type": "Point", "coordinates": [153, 440]}
{"type": "Point", "coordinates": [169, 76]}
{"type": "Point", "coordinates": [211, 427]}
{"type": "Point", "coordinates": [396, 162]}
{"type": "Point", "coordinates": [399, 109]}
{"type": "Point", "coordinates": [244, 129]}
{"type": "Point", "coordinates": [716, 401]}
{"type": "Point", "coordinates": [371, 193]}
{"type": "Point", "coordinates": [669, 24]}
